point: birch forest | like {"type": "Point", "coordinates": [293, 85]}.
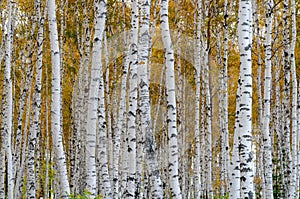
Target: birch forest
{"type": "Point", "coordinates": [149, 99]}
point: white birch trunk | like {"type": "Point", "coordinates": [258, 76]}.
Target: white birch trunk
{"type": "Point", "coordinates": [102, 142]}
{"type": "Point", "coordinates": [208, 109]}
{"type": "Point", "coordinates": [108, 109]}
{"type": "Point", "coordinates": [197, 183]}
{"type": "Point", "coordinates": [203, 168]}
{"type": "Point", "coordinates": [225, 132]}
{"type": "Point", "coordinates": [56, 103]}
{"type": "Point", "coordinates": [298, 146]}
{"type": "Point", "coordinates": [171, 101]}
{"type": "Point", "coordinates": [294, 105]}
{"type": "Point", "coordinates": [105, 185]}
{"type": "Point", "coordinates": [234, 185]}
{"type": "Point", "coordinates": [245, 106]}
{"type": "Point", "coordinates": [20, 174]}
{"type": "Point", "coordinates": [85, 92]}
{"type": "Point", "coordinates": [119, 131]}
{"type": "Point", "coordinates": [7, 120]}
{"type": "Point", "coordinates": [133, 87]}
{"type": "Point", "coordinates": [287, 159]}
{"type": "Point", "coordinates": [260, 136]}
{"type": "Point", "coordinates": [47, 148]}
{"type": "Point", "coordinates": [31, 179]}
{"type": "Point", "coordinates": [99, 24]}
{"type": "Point", "coordinates": [267, 146]}
{"type": "Point", "coordinates": [144, 100]}
{"type": "Point", "coordinates": [22, 102]}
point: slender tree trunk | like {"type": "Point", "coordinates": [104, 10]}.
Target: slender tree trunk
{"type": "Point", "coordinates": [102, 142]}
{"type": "Point", "coordinates": [99, 23]}
{"type": "Point", "coordinates": [20, 177]}
{"type": "Point", "coordinates": [133, 87]}
{"type": "Point", "coordinates": [235, 175]}
{"type": "Point", "coordinates": [286, 101]}
{"type": "Point", "coordinates": [298, 146]}
{"type": "Point", "coordinates": [171, 101]}
{"type": "Point", "coordinates": [57, 139]}
{"type": "Point", "coordinates": [47, 148]}
{"type": "Point", "coordinates": [293, 180]}
{"type": "Point", "coordinates": [260, 136]}
{"type": "Point", "coordinates": [267, 147]}
{"type": "Point", "coordinates": [197, 171]}
{"type": "Point", "coordinates": [119, 132]}
{"type": "Point", "coordinates": [245, 106]}
{"type": "Point", "coordinates": [144, 100]}
{"type": "Point", "coordinates": [31, 170]}
{"type": "Point", "coordinates": [7, 119]}
{"type": "Point", "coordinates": [225, 132]}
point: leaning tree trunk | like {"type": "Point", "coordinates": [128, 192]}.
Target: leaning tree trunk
{"type": "Point", "coordinates": [57, 139]}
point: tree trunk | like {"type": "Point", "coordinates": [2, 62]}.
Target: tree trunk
{"type": "Point", "coordinates": [245, 106]}
{"type": "Point", "coordinates": [57, 139]}
{"type": "Point", "coordinates": [171, 101]}
{"type": "Point", "coordinates": [293, 179]}
{"type": "Point", "coordinates": [7, 119]}
{"type": "Point", "coordinates": [267, 147]}
{"type": "Point", "coordinates": [133, 87]}
{"type": "Point", "coordinates": [144, 100]}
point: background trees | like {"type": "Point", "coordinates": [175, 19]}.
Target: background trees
{"type": "Point", "coordinates": [137, 110]}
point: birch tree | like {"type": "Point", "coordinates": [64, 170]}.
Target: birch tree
{"type": "Point", "coordinates": [295, 118]}
{"type": "Point", "coordinates": [99, 23]}
{"type": "Point", "coordinates": [197, 101]}
{"type": "Point", "coordinates": [287, 159]}
{"type": "Point", "coordinates": [102, 143]}
{"type": "Point", "coordinates": [133, 87]}
{"type": "Point", "coordinates": [245, 105]}
{"type": "Point", "coordinates": [171, 100]}
{"type": "Point", "coordinates": [144, 100]}
{"type": "Point", "coordinates": [31, 180]}
{"type": "Point", "coordinates": [224, 105]}
{"type": "Point", "coordinates": [7, 114]}
{"type": "Point", "coordinates": [267, 102]}
{"type": "Point", "coordinates": [102, 140]}
{"type": "Point", "coordinates": [56, 103]}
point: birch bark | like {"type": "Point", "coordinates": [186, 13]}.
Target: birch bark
{"type": "Point", "coordinates": [287, 161]}
{"type": "Point", "coordinates": [245, 106]}
{"type": "Point", "coordinates": [120, 131]}
{"type": "Point", "coordinates": [133, 87]}
{"type": "Point", "coordinates": [99, 24]}
{"type": "Point", "coordinates": [56, 103]}
{"type": "Point", "coordinates": [267, 147]}
{"type": "Point", "coordinates": [171, 101]}
{"type": "Point", "coordinates": [293, 180]}
{"type": "Point", "coordinates": [144, 100]}
{"type": "Point", "coordinates": [197, 102]}
{"type": "Point", "coordinates": [7, 114]}
{"type": "Point", "coordinates": [102, 142]}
